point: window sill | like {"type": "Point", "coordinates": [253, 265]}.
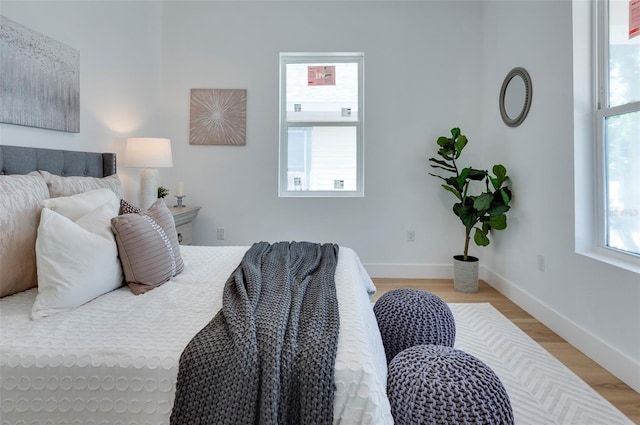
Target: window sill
{"type": "Point", "coordinates": [623, 261]}
{"type": "Point", "coordinates": [321, 194]}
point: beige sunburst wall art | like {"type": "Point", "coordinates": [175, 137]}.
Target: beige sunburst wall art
{"type": "Point", "coordinates": [218, 117]}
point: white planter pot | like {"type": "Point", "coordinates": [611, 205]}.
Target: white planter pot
{"type": "Point", "coordinates": [465, 273]}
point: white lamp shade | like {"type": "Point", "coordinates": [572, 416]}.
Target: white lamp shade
{"type": "Point", "coordinates": [148, 152]}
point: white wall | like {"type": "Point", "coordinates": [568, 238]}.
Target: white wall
{"type": "Point", "coordinates": [120, 57]}
{"type": "Point", "coordinates": [594, 306]}
{"type": "Point", "coordinates": [421, 79]}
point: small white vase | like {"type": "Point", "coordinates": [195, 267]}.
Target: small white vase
{"type": "Point", "coordinates": [465, 274]}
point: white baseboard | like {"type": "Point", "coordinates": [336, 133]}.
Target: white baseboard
{"type": "Point", "coordinates": [616, 362]}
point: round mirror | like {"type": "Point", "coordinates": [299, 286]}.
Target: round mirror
{"type": "Point", "coordinates": [515, 97]}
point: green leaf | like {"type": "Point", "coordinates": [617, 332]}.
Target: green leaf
{"type": "Point", "coordinates": [442, 164]}
{"type": "Point", "coordinates": [453, 182]}
{"type": "Point", "coordinates": [452, 190]}
{"type": "Point", "coordinates": [446, 153]}
{"type": "Point", "coordinates": [501, 176]}
{"type": "Point", "coordinates": [483, 202]}
{"type": "Point", "coordinates": [494, 182]}
{"type": "Point", "coordinates": [461, 142]}
{"type": "Point", "coordinates": [457, 209]}
{"type": "Point", "coordinates": [438, 161]}
{"type": "Point", "coordinates": [480, 238]}
{"type": "Point", "coordinates": [497, 209]}
{"type": "Point", "coordinates": [476, 174]}
{"type": "Point", "coordinates": [468, 216]}
{"type": "Point", "coordinates": [455, 132]}
{"type": "Point", "coordinates": [500, 171]}
{"type": "Point", "coordinates": [461, 179]}
{"type": "Point", "coordinates": [498, 222]}
{"type": "Point", "coordinates": [451, 170]}
{"type": "Point", "coordinates": [443, 141]}
{"type": "Point", "coordinates": [506, 196]}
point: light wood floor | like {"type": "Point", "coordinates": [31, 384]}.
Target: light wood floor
{"type": "Point", "coordinates": [618, 393]}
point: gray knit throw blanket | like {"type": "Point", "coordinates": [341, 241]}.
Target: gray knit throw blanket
{"type": "Point", "coordinates": [268, 356]}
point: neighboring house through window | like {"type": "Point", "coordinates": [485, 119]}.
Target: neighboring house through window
{"type": "Point", "coordinates": [321, 124]}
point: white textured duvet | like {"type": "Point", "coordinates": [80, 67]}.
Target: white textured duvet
{"type": "Point", "coordinates": [114, 361]}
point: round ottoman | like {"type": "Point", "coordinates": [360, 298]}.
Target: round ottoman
{"type": "Point", "coordinates": [430, 384]}
{"type": "Point", "coordinates": [408, 317]}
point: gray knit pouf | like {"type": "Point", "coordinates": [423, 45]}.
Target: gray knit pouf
{"type": "Point", "coordinates": [408, 317]}
{"type": "Point", "coordinates": [430, 384]}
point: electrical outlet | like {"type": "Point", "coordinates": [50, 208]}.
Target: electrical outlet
{"type": "Point", "coordinates": [411, 235]}
{"type": "Point", "coordinates": [541, 262]}
{"type": "Point", "coordinates": [220, 234]}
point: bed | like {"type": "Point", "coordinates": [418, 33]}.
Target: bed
{"type": "Point", "coordinates": [115, 359]}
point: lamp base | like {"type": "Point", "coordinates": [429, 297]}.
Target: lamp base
{"type": "Point", "coordinates": [148, 187]}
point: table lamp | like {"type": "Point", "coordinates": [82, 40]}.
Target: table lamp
{"type": "Point", "coordinates": [148, 153]}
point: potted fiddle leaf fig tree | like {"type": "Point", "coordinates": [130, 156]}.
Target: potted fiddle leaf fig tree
{"type": "Point", "coordinates": [480, 210]}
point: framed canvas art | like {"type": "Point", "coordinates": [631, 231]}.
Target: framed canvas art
{"type": "Point", "coordinates": [218, 117]}
{"type": "Point", "coordinates": [40, 79]}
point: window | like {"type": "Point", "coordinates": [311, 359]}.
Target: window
{"type": "Point", "coordinates": [618, 128]}
{"type": "Point", "coordinates": [321, 124]}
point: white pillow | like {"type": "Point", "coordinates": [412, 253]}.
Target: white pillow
{"type": "Point", "coordinates": [76, 262]}
{"type": "Point", "coordinates": [75, 206]}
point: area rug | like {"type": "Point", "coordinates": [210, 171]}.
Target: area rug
{"type": "Point", "coordinates": [542, 390]}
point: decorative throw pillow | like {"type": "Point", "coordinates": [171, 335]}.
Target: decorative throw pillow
{"type": "Point", "coordinates": [77, 261]}
{"type": "Point", "coordinates": [71, 185]}
{"type": "Point", "coordinates": [127, 208]}
{"type": "Point", "coordinates": [21, 198]}
{"type": "Point", "coordinates": [148, 247]}
{"type": "Point", "coordinates": [75, 206]}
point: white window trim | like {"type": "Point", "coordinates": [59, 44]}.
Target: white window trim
{"type": "Point", "coordinates": [598, 248]}
{"type": "Point", "coordinates": [303, 57]}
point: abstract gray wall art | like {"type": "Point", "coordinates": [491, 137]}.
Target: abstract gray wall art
{"type": "Point", "coordinates": [39, 79]}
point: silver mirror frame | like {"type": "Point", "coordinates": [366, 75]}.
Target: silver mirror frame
{"type": "Point", "coordinates": [522, 73]}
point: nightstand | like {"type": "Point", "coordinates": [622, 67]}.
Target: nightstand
{"type": "Point", "coordinates": [183, 217]}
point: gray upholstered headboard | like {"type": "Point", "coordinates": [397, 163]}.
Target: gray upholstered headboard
{"type": "Point", "coordinates": [23, 160]}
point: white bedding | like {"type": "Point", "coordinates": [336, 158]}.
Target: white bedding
{"type": "Point", "coordinates": [115, 359]}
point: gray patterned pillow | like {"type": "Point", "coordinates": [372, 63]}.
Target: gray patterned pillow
{"type": "Point", "coordinates": [67, 186]}
{"type": "Point", "coordinates": [148, 247]}
{"type": "Point", "coordinates": [127, 208]}
{"type": "Point", "coordinates": [21, 198]}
